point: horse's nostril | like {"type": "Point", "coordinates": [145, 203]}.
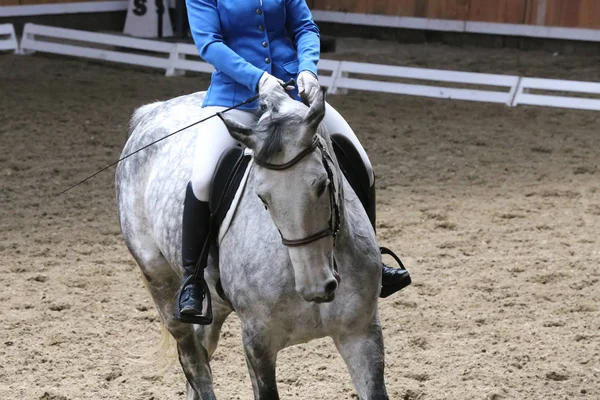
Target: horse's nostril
{"type": "Point", "coordinates": [331, 286]}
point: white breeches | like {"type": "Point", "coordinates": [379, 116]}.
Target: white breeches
{"type": "Point", "coordinates": [213, 139]}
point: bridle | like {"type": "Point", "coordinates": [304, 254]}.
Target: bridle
{"type": "Point", "coordinates": [334, 218]}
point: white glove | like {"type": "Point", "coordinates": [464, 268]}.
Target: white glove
{"type": "Point", "coordinates": [269, 83]}
{"type": "Point", "coordinates": [308, 86]}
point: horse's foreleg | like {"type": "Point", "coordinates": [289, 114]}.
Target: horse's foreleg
{"type": "Point", "coordinates": [261, 358]}
{"type": "Point", "coordinates": [364, 356]}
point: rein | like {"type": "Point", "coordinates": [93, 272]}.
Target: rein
{"type": "Point", "coordinates": [334, 218]}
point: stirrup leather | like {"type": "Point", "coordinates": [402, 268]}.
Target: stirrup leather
{"type": "Point", "coordinates": [207, 317]}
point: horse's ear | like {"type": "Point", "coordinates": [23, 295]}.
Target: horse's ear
{"type": "Point", "coordinates": [238, 131]}
{"type": "Point", "coordinates": [315, 112]}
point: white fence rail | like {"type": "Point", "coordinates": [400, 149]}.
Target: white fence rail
{"type": "Point", "coordinates": [509, 83]}
{"type": "Point", "coordinates": [44, 39]}
{"type": "Point", "coordinates": [179, 62]}
{"type": "Point", "coordinates": [176, 58]}
{"type": "Point", "coordinates": [8, 38]}
{"type": "Point", "coordinates": [526, 85]}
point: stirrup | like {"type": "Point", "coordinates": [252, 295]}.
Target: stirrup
{"type": "Point", "coordinates": [388, 290]}
{"type": "Point", "coordinates": [385, 250]}
{"type": "Point", "coordinates": [205, 319]}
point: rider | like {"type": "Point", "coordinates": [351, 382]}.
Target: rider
{"type": "Point", "coordinates": [254, 46]}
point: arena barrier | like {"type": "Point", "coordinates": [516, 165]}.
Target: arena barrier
{"type": "Point", "coordinates": [180, 62]}
{"type": "Point", "coordinates": [8, 38]}
{"type": "Point", "coordinates": [507, 82]}
{"type": "Point", "coordinates": [524, 93]}
{"type": "Point", "coordinates": [337, 76]}
{"type": "Point", "coordinates": [99, 46]}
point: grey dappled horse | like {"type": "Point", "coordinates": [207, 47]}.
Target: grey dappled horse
{"type": "Point", "coordinates": [284, 294]}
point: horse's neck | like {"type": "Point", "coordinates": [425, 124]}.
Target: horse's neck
{"type": "Point", "coordinates": [356, 247]}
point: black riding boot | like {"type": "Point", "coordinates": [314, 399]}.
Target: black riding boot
{"type": "Point", "coordinates": [392, 279]}
{"type": "Point", "coordinates": [196, 224]}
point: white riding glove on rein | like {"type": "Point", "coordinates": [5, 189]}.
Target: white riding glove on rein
{"type": "Point", "coordinates": [308, 86]}
{"type": "Point", "coordinates": [268, 83]}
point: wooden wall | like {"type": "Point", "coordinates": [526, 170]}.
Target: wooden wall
{"type": "Point", "coordinates": [31, 2]}
{"type": "Point", "coordinates": [566, 13]}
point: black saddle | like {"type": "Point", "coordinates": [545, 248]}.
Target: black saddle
{"type": "Point", "coordinates": [352, 167]}
{"type": "Point", "coordinates": [225, 183]}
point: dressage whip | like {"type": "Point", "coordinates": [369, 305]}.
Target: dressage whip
{"type": "Point", "coordinates": [248, 100]}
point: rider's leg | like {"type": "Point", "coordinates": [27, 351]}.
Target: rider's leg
{"type": "Point", "coordinates": [393, 279]}
{"type": "Point", "coordinates": [335, 123]}
{"type": "Point", "coordinates": [212, 139]}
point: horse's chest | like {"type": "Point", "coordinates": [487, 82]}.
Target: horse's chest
{"type": "Point", "coordinates": [247, 284]}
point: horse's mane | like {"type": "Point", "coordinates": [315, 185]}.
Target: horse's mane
{"type": "Point", "coordinates": [274, 132]}
{"type": "Point", "coordinates": [273, 127]}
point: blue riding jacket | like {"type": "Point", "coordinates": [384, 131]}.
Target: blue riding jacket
{"type": "Point", "coordinates": [243, 38]}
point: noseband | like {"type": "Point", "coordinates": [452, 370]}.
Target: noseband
{"type": "Point", "coordinates": [334, 218]}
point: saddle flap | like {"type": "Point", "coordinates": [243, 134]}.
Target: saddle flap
{"type": "Point", "coordinates": [352, 166]}
{"type": "Point", "coordinates": [225, 182]}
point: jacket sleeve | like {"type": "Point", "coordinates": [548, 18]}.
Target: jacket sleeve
{"type": "Point", "coordinates": [206, 30]}
{"type": "Point", "coordinates": [305, 34]}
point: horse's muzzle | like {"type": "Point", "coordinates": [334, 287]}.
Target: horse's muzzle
{"type": "Point", "coordinates": [326, 299]}
{"type": "Point", "coordinates": [327, 295]}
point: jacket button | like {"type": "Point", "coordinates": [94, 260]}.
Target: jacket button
{"type": "Point", "coordinates": [261, 28]}
{"type": "Point", "coordinates": [264, 44]}
{"type": "Point", "coordinates": [258, 11]}
{"type": "Point", "coordinates": [267, 60]}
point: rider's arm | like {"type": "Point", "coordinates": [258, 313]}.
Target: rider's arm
{"type": "Point", "coordinates": [306, 34]}
{"type": "Point", "coordinates": [206, 31]}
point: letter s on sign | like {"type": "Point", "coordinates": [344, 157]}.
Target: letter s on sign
{"type": "Point", "coordinates": [140, 7]}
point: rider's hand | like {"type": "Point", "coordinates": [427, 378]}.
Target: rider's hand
{"type": "Point", "coordinates": [308, 86]}
{"type": "Point", "coordinates": [268, 83]}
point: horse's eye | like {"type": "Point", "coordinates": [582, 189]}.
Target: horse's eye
{"type": "Point", "coordinates": [263, 106]}
{"type": "Point", "coordinates": [263, 201]}
{"type": "Point", "coordinates": [321, 186]}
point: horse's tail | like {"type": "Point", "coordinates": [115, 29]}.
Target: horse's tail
{"type": "Point", "coordinates": [164, 355]}
{"type": "Point", "coordinates": [166, 352]}
{"type": "Point", "coordinates": [139, 113]}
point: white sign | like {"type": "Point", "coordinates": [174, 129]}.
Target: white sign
{"type": "Point", "coordinates": [142, 19]}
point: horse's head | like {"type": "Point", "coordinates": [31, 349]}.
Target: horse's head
{"type": "Point", "coordinates": [297, 182]}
